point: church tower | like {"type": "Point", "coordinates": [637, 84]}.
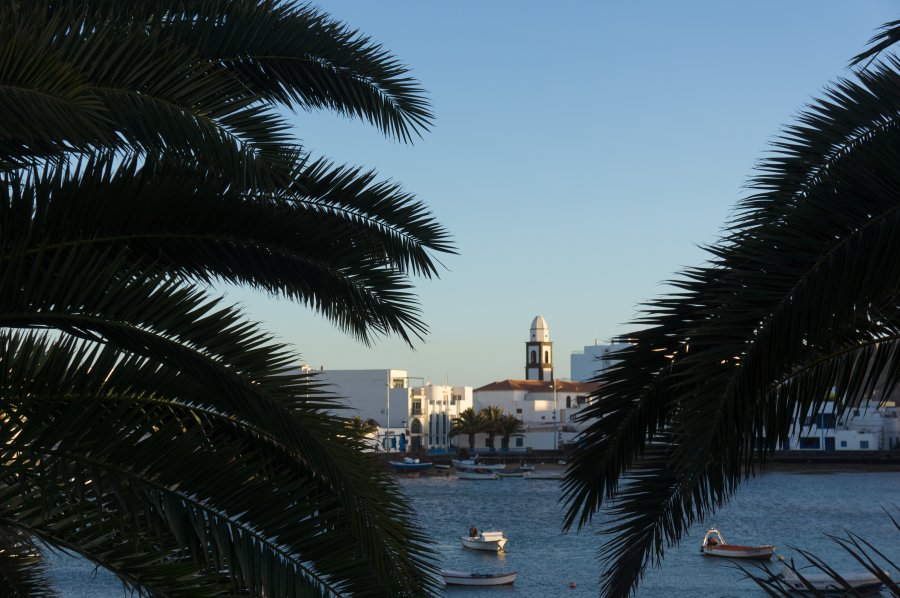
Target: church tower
{"type": "Point", "coordinates": [539, 352]}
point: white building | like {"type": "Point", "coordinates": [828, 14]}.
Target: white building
{"type": "Point", "coordinates": [409, 418]}
{"type": "Point", "coordinates": [545, 408]}
{"type": "Point", "coordinates": [543, 404]}
{"type": "Point", "coordinates": [432, 411]}
{"type": "Point", "coordinates": [864, 429]}
{"type": "Point", "coordinates": [379, 395]}
{"type": "Point", "coordinates": [593, 359]}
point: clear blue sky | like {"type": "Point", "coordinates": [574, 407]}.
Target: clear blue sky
{"type": "Point", "coordinates": [581, 153]}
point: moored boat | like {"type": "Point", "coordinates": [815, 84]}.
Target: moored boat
{"type": "Point", "coordinates": [511, 474]}
{"type": "Point", "coordinates": [477, 474]}
{"type": "Point", "coordinates": [488, 541]}
{"type": "Point", "coordinates": [473, 463]}
{"type": "Point", "coordinates": [461, 578]}
{"type": "Point", "coordinates": [860, 582]}
{"type": "Point", "coordinates": [714, 544]}
{"type": "Point", "coordinates": [409, 464]}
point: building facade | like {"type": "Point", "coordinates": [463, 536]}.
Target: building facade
{"type": "Point", "coordinates": [432, 411]}
{"type": "Point", "coordinates": [863, 429]}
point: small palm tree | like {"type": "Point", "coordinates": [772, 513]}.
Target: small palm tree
{"type": "Point", "coordinates": [468, 423]}
{"type": "Point", "coordinates": [491, 416]}
{"type": "Point", "coordinates": [508, 426]}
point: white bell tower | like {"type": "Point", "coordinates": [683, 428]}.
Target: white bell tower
{"type": "Point", "coordinates": [539, 351]}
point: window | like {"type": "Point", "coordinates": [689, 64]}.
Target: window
{"type": "Point", "coordinates": [519, 410]}
{"type": "Point", "coordinates": [397, 383]}
{"type": "Point", "coordinates": [520, 441]}
{"type": "Point", "coordinates": [542, 417]}
{"type": "Point", "coordinates": [863, 444]}
{"type": "Point", "coordinates": [843, 444]}
{"type": "Point", "coordinates": [533, 356]}
{"type": "Point", "coordinates": [546, 356]}
{"type": "Point", "coordinates": [568, 402]}
{"type": "Point", "coordinates": [809, 442]}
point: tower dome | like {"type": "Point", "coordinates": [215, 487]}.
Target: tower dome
{"type": "Point", "coordinates": [540, 331]}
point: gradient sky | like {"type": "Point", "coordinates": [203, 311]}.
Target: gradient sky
{"type": "Point", "coordinates": [582, 153]}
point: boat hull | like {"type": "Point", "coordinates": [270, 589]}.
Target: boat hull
{"type": "Point", "coordinates": [477, 543]}
{"type": "Point", "coordinates": [472, 465]}
{"type": "Point", "coordinates": [734, 551]}
{"type": "Point", "coordinates": [460, 578]}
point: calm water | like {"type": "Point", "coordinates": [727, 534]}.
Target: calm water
{"type": "Point", "coordinates": [780, 508]}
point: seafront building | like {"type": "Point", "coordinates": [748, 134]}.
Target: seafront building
{"type": "Point", "coordinates": [864, 429]}
{"type": "Point", "coordinates": [408, 417]}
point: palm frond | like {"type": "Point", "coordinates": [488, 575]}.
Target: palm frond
{"type": "Point", "coordinates": [124, 435]}
{"type": "Point", "coordinates": [799, 299]}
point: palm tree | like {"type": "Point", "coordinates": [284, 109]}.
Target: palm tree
{"type": "Point", "coordinates": [508, 426]}
{"type": "Point", "coordinates": [468, 423]}
{"type": "Point", "coordinates": [491, 416]}
{"type": "Point", "coordinates": [146, 425]}
{"type": "Point", "coordinates": [799, 299]}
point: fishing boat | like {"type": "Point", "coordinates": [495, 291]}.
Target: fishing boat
{"type": "Point", "coordinates": [460, 578]}
{"type": "Point", "coordinates": [544, 475]}
{"type": "Point", "coordinates": [473, 463]}
{"type": "Point", "coordinates": [409, 464]}
{"type": "Point", "coordinates": [862, 582]}
{"type": "Point", "coordinates": [477, 474]}
{"type": "Point", "coordinates": [489, 541]}
{"type": "Point", "coordinates": [714, 544]}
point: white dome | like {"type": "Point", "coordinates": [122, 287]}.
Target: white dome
{"type": "Point", "coordinates": [540, 331]}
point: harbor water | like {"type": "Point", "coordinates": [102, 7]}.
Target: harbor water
{"type": "Point", "coordinates": [785, 508]}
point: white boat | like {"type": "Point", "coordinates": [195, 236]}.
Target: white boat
{"type": "Point", "coordinates": [489, 541]}
{"type": "Point", "coordinates": [460, 578]}
{"type": "Point", "coordinates": [544, 475]}
{"type": "Point", "coordinates": [473, 463]}
{"type": "Point", "coordinates": [862, 582]}
{"type": "Point", "coordinates": [476, 474]}
{"type": "Point", "coordinates": [714, 544]}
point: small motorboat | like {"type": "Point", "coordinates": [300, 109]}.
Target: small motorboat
{"type": "Point", "coordinates": [473, 463]}
{"type": "Point", "coordinates": [489, 541]}
{"type": "Point", "coordinates": [526, 467]}
{"type": "Point", "coordinates": [714, 544]}
{"type": "Point", "coordinates": [544, 475]}
{"type": "Point", "coordinates": [862, 582]}
{"type": "Point", "coordinates": [460, 578]}
{"type": "Point", "coordinates": [409, 464]}
{"type": "Point", "coordinates": [477, 474]}
{"type": "Point", "coordinates": [511, 474]}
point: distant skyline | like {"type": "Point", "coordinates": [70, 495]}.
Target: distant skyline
{"type": "Point", "coordinates": [582, 152]}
